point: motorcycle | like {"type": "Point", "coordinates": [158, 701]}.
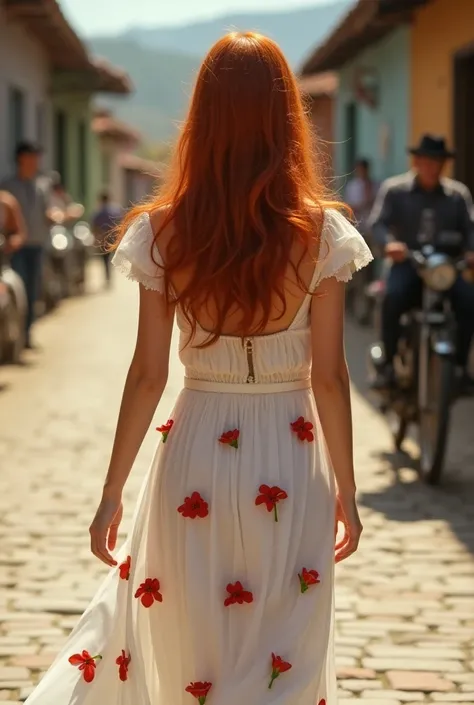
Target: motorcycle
{"type": "Point", "coordinates": [13, 308]}
{"type": "Point", "coordinates": [423, 389]}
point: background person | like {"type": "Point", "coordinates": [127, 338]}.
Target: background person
{"type": "Point", "coordinates": [360, 194]}
{"type": "Point", "coordinates": [397, 223]}
{"type": "Point", "coordinates": [104, 222]}
{"type": "Point", "coordinates": [32, 193]}
{"type": "Point", "coordinates": [12, 225]}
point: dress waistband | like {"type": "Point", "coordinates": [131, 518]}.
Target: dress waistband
{"type": "Point", "coordinates": [201, 385]}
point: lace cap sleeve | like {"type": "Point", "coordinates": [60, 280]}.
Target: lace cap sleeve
{"type": "Point", "coordinates": [133, 256]}
{"type": "Point", "coordinates": [343, 250]}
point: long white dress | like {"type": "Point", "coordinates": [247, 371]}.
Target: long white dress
{"type": "Point", "coordinates": [230, 560]}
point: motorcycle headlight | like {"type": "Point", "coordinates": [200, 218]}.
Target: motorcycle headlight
{"type": "Point", "coordinates": [59, 241]}
{"type": "Point", "coordinates": [439, 273]}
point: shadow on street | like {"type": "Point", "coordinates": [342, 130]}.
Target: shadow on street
{"type": "Point", "coordinates": [406, 498]}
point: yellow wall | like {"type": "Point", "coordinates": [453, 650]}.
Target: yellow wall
{"type": "Point", "coordinates": [439, 30]}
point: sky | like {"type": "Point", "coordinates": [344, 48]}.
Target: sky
{"type": "Point", "coordinates": [91, 17]}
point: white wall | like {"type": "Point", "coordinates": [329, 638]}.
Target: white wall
{"type": "Point", "coordinates": [23, 65]}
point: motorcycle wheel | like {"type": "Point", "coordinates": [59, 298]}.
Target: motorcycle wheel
{"type": "Point", "coordinates": [434, 421]}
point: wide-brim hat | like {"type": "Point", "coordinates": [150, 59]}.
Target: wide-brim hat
{"type": "Point", "coordinates": [433, 147]}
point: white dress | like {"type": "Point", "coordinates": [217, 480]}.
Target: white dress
{"type": "Point", "coordinates": [230, 560]}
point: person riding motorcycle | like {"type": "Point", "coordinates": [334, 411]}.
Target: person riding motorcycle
{"type": "Point", "coordinates": [396, 222]}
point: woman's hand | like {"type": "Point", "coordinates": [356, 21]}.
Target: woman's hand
{"type": "Point", "coordinates": [105, 526]}
{"type": "Point", "coordinates": [348, 514]}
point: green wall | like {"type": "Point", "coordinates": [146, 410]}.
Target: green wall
{"type": "Point", "coordinates": [81, 162]}
{"type": "Point", "coordinates": [391, 59]}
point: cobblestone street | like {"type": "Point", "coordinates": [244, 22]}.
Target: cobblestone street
{"type": "Point", "coordinates": [405, 602]}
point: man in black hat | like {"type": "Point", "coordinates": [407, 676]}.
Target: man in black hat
{"type": "Point", "coordinates": [416, 205]}
{"type": "Point", "coordinates": [32, 193]}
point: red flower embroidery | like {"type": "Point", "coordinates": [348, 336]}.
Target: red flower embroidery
{"type": "Point", "coordinates": [270, 496]}
{"type": "Point", "coordinates": [149, 591]}
{"type": "Point", "coordinates": [230, 438]}
{"type": "Point", "coordinates": [307, 578]}
{"type": "Point", "coordinates": [278, 666]}
{"type": "Point", "coordinates": [237, 595]}
{"type": "Point", "coordinates": [165, 429]}
{"type": "Point", "coordinates": [194, 506]}
{"type": "Point", "coordinates": [86, 663]}
{"type": "Point", "coordinates": [123, 663]}
{"type": "Point", "coordinates": [199, 690]}
{"type": "Point", "coordinates": [303, 429]}
{"type": "Point", "coordinates": [124, 568]}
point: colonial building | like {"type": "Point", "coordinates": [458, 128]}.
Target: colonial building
{"type": "Point", "coordinates": [47, 80]}
{"type": "Point", "coordinates": [442, 78]}
{"type": "Point", "coordinates": [127, 177]}
{"type": "Point", "coordinates": [321, 91]}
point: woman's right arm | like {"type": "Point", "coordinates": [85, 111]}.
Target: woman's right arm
{"type": "Point", "coordinates": [330, 382]}
{"type": "Point", "coordinates": [146, 381]}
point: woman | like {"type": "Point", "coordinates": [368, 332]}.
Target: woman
{"type": "Point", "coordinates": [224, 589]}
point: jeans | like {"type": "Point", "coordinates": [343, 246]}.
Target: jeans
{"type": "Point", "coordinates": [107, 259]}
{"type": "Point", "coordinates": [403, 293]}
{"type": "Point", "coordinates": [27, 263]}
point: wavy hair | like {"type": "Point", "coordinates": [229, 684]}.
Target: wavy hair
{"type": "Point", "coordinates": [242, 186]}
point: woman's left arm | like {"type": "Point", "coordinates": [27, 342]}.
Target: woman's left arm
{"type": "Point", "coordinates": [144, 386]}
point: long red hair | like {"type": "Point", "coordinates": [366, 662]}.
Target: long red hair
{"type": "Point", "coordinates": [242, 186]}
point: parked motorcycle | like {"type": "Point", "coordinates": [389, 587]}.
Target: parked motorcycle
{"type": "Point", "coordinates": [424, 367]}
{"type": "Point", "coordinates": [13, 308]}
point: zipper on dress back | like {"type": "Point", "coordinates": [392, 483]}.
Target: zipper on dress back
{"type": "Point", "coordinates": [248, 342]}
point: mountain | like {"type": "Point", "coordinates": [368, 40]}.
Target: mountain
{"type": "Point", "coordinates": [296, 31]}
{"type": "Point", "coordinates": [162, 61]}
{"type": "Point", "coordinates": [162, 80]}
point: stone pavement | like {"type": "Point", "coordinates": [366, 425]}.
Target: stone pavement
{"type": "Point", "coordinates": [405, 602]}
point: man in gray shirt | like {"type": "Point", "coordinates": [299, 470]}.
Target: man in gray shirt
{"type": "Point", "coordinates": [32, 193]}
{"type": "Point", "coordinates": [398, 224]}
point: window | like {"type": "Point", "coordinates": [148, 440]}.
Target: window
{"type": "Point", "coordinates": [82, 144]}
{"type": "Point", "coordinates": [16, 117]}
{"type": "Point", "coordinates": [60, 138]}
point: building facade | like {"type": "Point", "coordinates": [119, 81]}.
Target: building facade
{"type": "Point", "coordinates": [375, 127]}
{"type": "Point", "coordinates": [442, 79]}
{"type": "Point", "coordinates": [47, 82]}
{"type": "Point", "coordinates": [321, 92]}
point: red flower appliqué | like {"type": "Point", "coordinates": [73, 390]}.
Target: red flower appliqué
{"type": "Point", "coordinates": [194, 506]}
{"type": "Point", "coordinates": [230, 438]}
{"type": "Point", "coordinates": [237, 595]}
{"type": "Point", "coordinates": [270, 496]}
{"type": "Point", "coordinates": [149, 591]}
{"type": "Point", "coordinates": [278, 666]}
{"type": "Point", "coordinates": [123, 663]}
{"type": "Point", "coordinates": [124, 568]}
{"type": "Point", "coordinates": [303, 429]}
{"type": "Point", "coordinates": [165, 429]}
{"type": "Point", "coordinates": [86, 663]}
{"type": "Point", "coordinates": [307, 578]}
{"type": "Point", "coordinates": [199, 690]}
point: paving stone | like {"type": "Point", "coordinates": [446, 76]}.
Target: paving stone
{"type": "Point", "coordinates": [423, 681]}
{"type": "Point", "coordinates": [402, 664]}
{"type": "Point", "coordinates": [454, 697]}
{"type": "Point", "coordinates": [398, 695]}
{"type": "Point", "coordinates": [357, 685]}
{"type": "Point", "coordinates": [363, 673]}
